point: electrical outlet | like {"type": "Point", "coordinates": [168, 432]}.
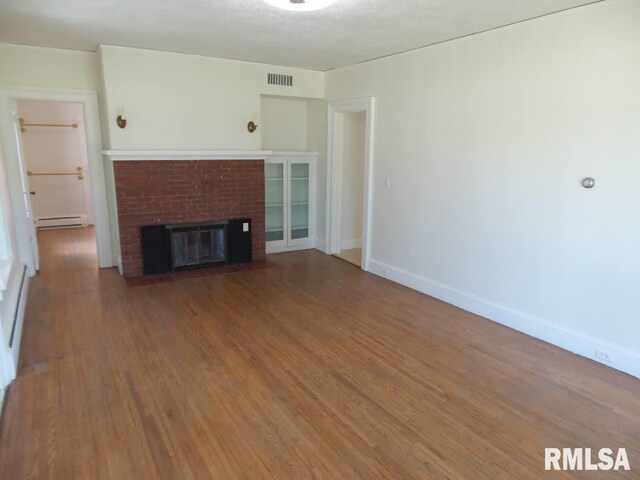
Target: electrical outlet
{"type": "Point", "coordinates": [603, 355]}
{"type": "Point", "coordinates": [385, 272]}
{"type": "Point", "coordinates": [387, 183]}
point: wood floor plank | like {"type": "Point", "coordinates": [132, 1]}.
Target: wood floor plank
{"type": "Point", "coordinates": [306, 369]}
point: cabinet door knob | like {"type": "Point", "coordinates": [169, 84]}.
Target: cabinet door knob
{"type": "Point", "coordinates": [32, 192]}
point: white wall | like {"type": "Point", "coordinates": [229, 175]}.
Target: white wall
{"type": "Point", "coordinates": [485, 140]}
{"type": "Point", "coordinates": [54, 149]}
{"type": "Point", "coordinates": [175, 101]}
{"type": "Point", "coordinates": [48, 67]}
{"type": "Point", "coordinates": [353, 143]}
{"type": "Point", "coordinates": [317, 142]}
{"type": "Point", "coordinates": [283, 124]}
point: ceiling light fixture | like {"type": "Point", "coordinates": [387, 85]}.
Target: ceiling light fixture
{"type": "Point", "coordinates": [300, 5]}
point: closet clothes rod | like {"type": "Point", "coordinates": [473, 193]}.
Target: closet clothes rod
{"type": "Point", "coordinates": [78, 173]}
{"type": "Point", "coordinates": [23, 124]}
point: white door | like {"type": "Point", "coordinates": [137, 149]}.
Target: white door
{"type": "Point", "coordinates": [25, 189]}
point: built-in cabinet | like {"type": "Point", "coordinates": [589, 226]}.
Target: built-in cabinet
{"type": "Point", "coordinates": [290, 194]}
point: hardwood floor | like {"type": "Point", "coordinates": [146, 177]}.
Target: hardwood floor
{"type": "Point", "coordinates": [306, 369]}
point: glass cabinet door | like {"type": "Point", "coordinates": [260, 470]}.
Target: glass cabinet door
{"type": "Point", "coordinates": [274, 202]}
{"type": "Point", "coordinates": [299, 215]}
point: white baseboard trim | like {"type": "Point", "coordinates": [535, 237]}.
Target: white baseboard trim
{"type": "Point", "coordinates": [20, 312]}
{"type": "Point", "coordinates": [288, 249]}
{"type": "Point", "coordinates": [321, 244]}
{"type": "Point", "coordinates": [576, 342]}
{"type": "Point", "coordinates": [7, 369]}
{"type": "Point", "coordinates": [16, 300]}
{"type": "Point", "coordinates": [349, 244]}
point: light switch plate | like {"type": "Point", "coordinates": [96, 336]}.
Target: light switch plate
{"type": "Point", "coordinates": [245, 227]}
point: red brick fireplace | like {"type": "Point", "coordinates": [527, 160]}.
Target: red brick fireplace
{"type": "Point", "coordinates": [152, 192]}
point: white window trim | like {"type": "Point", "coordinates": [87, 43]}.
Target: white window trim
{"type": "Point", "coordinates": [6, 258]}
{"type": "Point", "coordinates": [5, 273]}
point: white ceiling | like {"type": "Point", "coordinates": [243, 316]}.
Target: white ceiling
{"type": "Point", "coordinates": [348, 32]}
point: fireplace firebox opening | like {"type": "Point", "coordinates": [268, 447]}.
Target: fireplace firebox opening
{"type": "Point", "coordinates": [168, 248]}
{"type": "Point", "coordinates": [198, 245]}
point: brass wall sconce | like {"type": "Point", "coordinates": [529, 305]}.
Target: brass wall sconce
{"type": "Point", "coordinates": [252, 127]}
{"type": "Point", "coordinates": [121, 121]}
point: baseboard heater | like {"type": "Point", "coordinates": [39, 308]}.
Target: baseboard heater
{"type": "Point", "coordinates": [168, 248]}
{"type": "Point", "coordinates": [62, 221]}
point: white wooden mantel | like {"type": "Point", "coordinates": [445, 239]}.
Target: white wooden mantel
{"type": "Point", "coordinates": [138, 155]}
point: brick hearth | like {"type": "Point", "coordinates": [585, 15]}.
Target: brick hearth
{"type": "Point", "coordinates": [168, 191]}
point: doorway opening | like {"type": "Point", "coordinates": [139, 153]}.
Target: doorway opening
{"type": "Point", "coordinates": [54, 154]}
{"type": "Point", "coordinates": [349, 171]}
{"type": "Point", "coordinates": [24, 118]}
{"type": "Point", "coordinates": [351, 145]}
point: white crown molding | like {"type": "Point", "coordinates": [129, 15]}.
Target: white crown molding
{"type": "Point", "coordinates": [137, 155]}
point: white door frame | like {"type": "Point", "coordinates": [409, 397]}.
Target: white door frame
{"type": "Point", "coordinates": [96, 173]}
{"type": "Point", "coordinates": [335, 174]}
